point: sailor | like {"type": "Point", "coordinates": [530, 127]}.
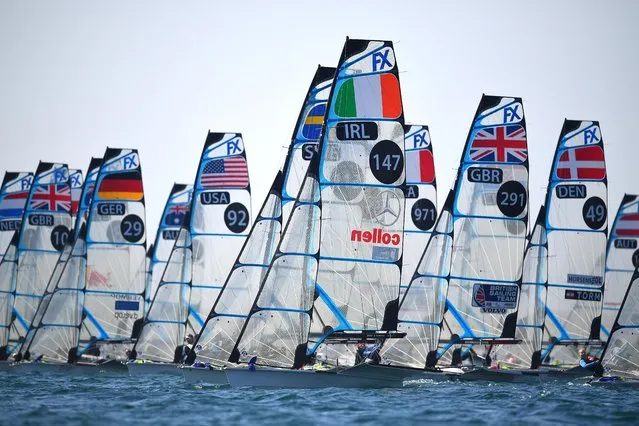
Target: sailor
{"type": "Point", "coordinates": [586, 360]}
{"type": "Point", "coordinates": [366, 353]}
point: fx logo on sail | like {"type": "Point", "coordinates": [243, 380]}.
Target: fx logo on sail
{"type": "Point", "coordinates": [590, 136]}
{"type": "Point", "coordinates": [75, 181]}
{"type": "Point", "coordinates": [420, 140]}
{"type": "Point", "coordinates": [511, 114]}
{"type": "Point", "coordinates": [60, 175]}
{"type": "Point", "coordinates": [130, 162]}
{"type": "Point", "coordinates": [233, 147]}
{"type": "Point", "coordinates": [381, 60]}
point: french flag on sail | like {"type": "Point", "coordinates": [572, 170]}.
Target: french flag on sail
{"type": "Point", "coordinates": [628, 225]}
{"type": "Point", "coordinates": [12, 205]}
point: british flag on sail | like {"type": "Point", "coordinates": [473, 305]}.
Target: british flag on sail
{"type": "Point", "coordinates": [51, 197]}
{"type": "Point", "coordinates": [501, 144]}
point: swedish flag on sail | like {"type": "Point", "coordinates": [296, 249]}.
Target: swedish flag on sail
{"type": "Point", "coordinates": [313, 122]}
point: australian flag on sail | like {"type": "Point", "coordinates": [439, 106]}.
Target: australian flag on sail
{"type": "Point", "coordinates": [313, 122]}
{"type": "Point", "coordinates": [501, 144]}
{"type": "Point", "coordinates": [51, 197]}
{"type": "Point", "coordinates": [229, 172]}
{"type": "Point", "coordinates": [176, 214]}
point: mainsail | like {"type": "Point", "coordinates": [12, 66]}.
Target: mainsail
{"type": "Point", "coordinates": [175, 210]}
{"type": "Point", "coordinates": [621, 260]}
{"type": "Point", "coordinates": [490, 215]}
{"type": "Point", "coordinates": [355, 267]}
{"type": "Point", "coordinates": [45, 229]}
{"type": "Point", "coordinates": [54, 332]}
{"type": "Point", "coordinates": [115, 254]}
{"type": "Point", "coordinates": [229, 313]}
{"type": "Point", "coordinates": [576, 226]}
{"type": "Point", "coordinates": [220, 219]}
{"type": "Point", "coordinates": [8, 269]}
{"type": "Point", "coordinates": [420, 212]}
{"type": "Point", "coordinates": [13, 197]}
{"type": "Point", "coordinates": [621, 354]}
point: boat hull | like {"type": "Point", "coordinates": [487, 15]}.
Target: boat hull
{"type": "Point", "coordinates": [504, 376]}
{"type": "Point", "coordinates": [109, 367]}
{"type": "Point", "coordinates": [443, 375]}
{"type": "Point", "coordinates": [361, 376]}
{"type": "Point", "coordinates": [615, 382]}
{"type": "Point", "coordinates": [204, 376]}
{"type": "Point", "coordinates": [146, 368]}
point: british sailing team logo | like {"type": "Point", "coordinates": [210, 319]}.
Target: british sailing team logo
{"type": "Point", "coordinates": [495, 298]}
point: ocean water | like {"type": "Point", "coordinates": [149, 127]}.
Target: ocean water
{"type": "Point", "coordinates": [36, 399]}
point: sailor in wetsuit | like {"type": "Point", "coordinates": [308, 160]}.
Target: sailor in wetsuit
{"type": "Point", "coordinates": [586, 360]}
{"type": "Point", "coordinates": [367, 352]}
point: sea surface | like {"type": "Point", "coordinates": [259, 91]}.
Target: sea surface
{"type": "Point", "coordinates": [33, 399]}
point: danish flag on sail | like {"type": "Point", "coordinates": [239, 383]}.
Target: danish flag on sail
{"type": "Point", "coordinates": [628, 225]}
{"type": "Point", "coordinates": [586, 162]}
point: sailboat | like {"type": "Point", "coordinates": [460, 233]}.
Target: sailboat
{"type": "Point", "coordinates": [621, 260]}
{"type": "Point", "coordinates": [620, 356]}
{"type": "Point", "coordinates": [576, 227]}
{"type": "Point", "coordinates": [175, 210]}
{"type": "Point", "coordinates": [490, 215]}
{"type": "Point", "coordinates": [43, 234]}
{"type": "Point", "coordinates": [13, 198]}
{"type": "Point", "coordinates": [212, 234]}
{"type": "Point", "coordinates": [54, 329]}
{"type": "Point", "coordinates": [214, 344]}
{"type": "Point", "coordinates": [112, 254]}
{"type": "Point", "coordinates": [339, 259]}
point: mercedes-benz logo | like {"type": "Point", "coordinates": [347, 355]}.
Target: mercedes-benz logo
{"type": "Point", "coordinates": [388, 208]}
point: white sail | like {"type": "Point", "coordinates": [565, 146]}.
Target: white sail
{"type": "Point", "coordinates": [226, 320]}
{"type": "Point", "coordinates": [115, 256]}
{"type": "Point", "coordinates": [420, 212]}
{"type": "Point", "coordinates": [621, 260]}
{"type": "Point", "coordinates": [220, 220]}
{"type": "Point", "coordinates": [355, 267]}
{"type": "Point", "coordinates": [490, 220]}
{"type": "Point", "coordinates": [44, 232]}
{"type": "Point", "coordinates": [175, 210]}
{"type": "Point", "coordinates": [620, 356]}
{"type": "Point", "coordinates": [576, 226]}
{"type": "Point", "coordinates": [54, 332]}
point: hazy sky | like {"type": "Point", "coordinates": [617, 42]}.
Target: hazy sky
{"type": "Point", "coordinates": [77, 76]}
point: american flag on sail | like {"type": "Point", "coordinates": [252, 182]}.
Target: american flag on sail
{"type": "Point", "coordinates": [229, 172]}
{"type": "Point", "coordinates": [628, 225]}
{"type": "Point", "coordinates": [502, 144]}
{"type": "Point", "coordinates": [51, 197]}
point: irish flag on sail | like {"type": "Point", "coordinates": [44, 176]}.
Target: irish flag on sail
{"type": "Point", "coordinates": [369, 96]}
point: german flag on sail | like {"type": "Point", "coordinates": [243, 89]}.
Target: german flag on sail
{"type": "Point", "coordinates": [121, 186]}
{"type": "Point", "coordinates": [369, 96]}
